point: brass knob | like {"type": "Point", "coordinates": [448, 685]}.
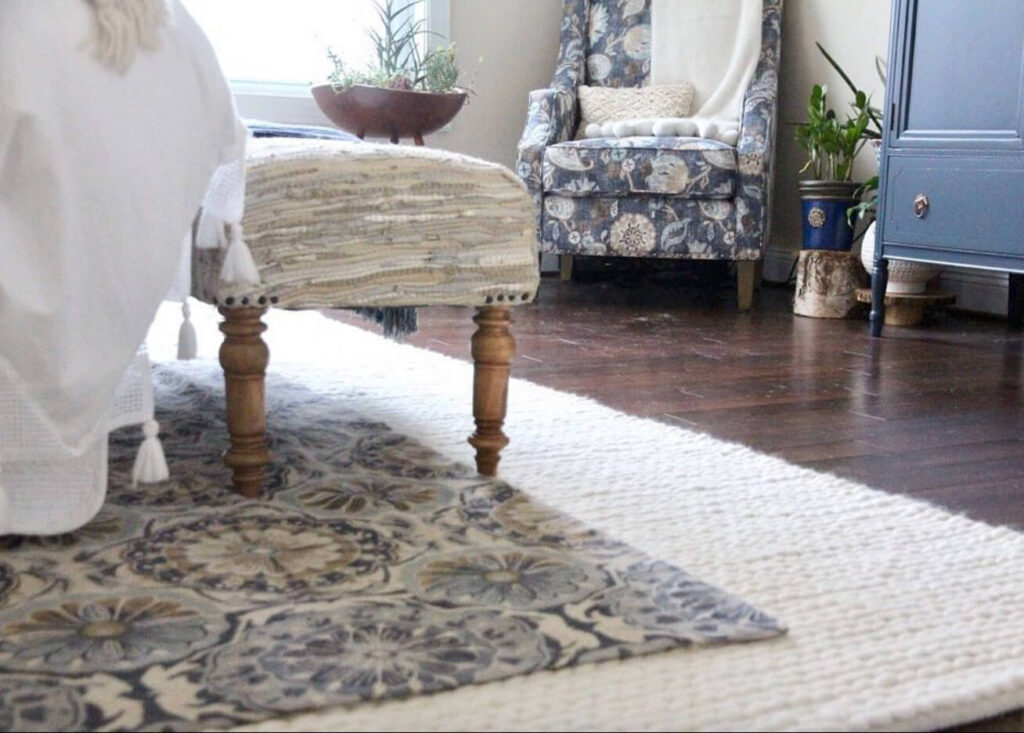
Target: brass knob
{"type": "Point", "coordinates": [921, 205]}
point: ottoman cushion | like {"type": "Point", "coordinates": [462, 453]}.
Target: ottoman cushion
{"type": "Point", "coordinates": [334, 224]}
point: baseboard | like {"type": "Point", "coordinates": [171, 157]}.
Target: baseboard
{"type": "Point", "coordinates": [979, 291]}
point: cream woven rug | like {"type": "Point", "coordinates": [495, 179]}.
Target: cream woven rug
{"type": "Point", "coordinates": [900, 615]}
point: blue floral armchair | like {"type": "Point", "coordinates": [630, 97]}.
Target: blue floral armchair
{"type": "Point", "coordinates": [647, 196]}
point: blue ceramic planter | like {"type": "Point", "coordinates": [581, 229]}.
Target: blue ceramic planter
{"type": "Point", "coordinates": [824, 205]}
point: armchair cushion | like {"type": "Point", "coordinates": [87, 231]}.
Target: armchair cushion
{"type": "Point", "coordinates": [690, 168]}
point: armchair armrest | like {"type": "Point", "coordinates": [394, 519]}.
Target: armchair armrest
{"type": "Point", "coordinates": [552, 116]}
{"type": "Point", "coordinates": [757, 125]}
{"type": "Point", "coordinates": [551, 119]}
{"type": "Point", "coordinates": [756, 147]}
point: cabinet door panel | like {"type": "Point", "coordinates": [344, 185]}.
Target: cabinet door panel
{"type": "Point", "coordinates": [965, 68]}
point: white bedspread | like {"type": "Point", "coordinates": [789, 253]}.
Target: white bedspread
{"type": "Point", "coordinates": [101, 174]}
{"type": "Point", "coordinates": [713, 44]}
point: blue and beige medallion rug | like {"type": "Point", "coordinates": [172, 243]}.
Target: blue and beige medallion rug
{"type": "Point", "coordinates": [373, 568]}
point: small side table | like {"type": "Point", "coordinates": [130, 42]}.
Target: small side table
{"type": "Point", "coordinates": [907, 310]}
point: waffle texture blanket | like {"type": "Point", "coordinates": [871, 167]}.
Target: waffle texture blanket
{"type": "Point", "coordinates": [112, 125]}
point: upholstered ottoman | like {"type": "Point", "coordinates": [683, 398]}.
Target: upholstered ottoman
{"type": "Point", "coordinates": [334, 224]}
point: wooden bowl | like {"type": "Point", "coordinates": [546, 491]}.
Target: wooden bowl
{"type": "Point", "coordinates": [393, 113]}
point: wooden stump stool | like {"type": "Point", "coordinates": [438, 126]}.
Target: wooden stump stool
{"type": "Point", "coordinates": [827, 283]}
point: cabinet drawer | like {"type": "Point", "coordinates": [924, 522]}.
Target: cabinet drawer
{"type": "Point", "coordinates": [960, 204]}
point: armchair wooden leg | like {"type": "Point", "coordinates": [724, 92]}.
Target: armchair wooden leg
{"type": "Point", "coordinates": [492, 348]}
{"type": "Point", "coordinates": [565, 267]}
{"type": "Point", "coordinates": [746, 271]}
{"type": "Point", "coordinates": [244, 357]}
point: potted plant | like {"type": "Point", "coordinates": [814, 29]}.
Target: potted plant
{"type": "Point", "coordinates": [831, 146]}
{"type": "Point", "coordinates": [866, 194]}
{"type": "Point", "coordinates": [407, 93]}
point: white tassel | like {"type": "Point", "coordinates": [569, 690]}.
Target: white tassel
{"type": "Point", "coordinates": [188, 347]}
{"type": "Point", "coordinates": [210, 232]}
{"type": "Point", "coordinates": [150, 464]}
{"type": "Point", "coordinates": [125, 26]}
{"type": "Point", "coordinates": [239, 266]}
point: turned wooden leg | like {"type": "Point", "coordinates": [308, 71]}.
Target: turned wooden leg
{"type": "Point", "coordinates": [746, 271]}
{"type": "Point", "coordinates": [565, 267]}
{"type": "Point", "coordinates": [244, 357]}
{"type": "Point", "coordinates": [492, 350]}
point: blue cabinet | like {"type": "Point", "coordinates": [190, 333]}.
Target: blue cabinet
{"type": "Point", "coordinates": [952, 171]}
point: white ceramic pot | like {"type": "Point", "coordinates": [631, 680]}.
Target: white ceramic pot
{"type": "Point", "coordinates": [905, 278]}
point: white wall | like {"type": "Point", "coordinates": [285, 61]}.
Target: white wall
{"type": "Point", "coordinates": [519, 44]}
{"type": "Point", "coordinates": [853, 33]}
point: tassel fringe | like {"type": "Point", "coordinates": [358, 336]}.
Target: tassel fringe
{"type": "Point", "coordinates": [210, 232]}
{"type": "Point", "coordinates": [188, 347]}
{"type": "Point", "coordinates": [150, 463]}
{"type": "Point", "coordinates": [239, 266]}
{"type": "Point", "coordinates": [395, 322]}
{"type": "Point", "coordinates": [123, 27]}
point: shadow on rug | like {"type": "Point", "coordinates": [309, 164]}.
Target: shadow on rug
{"type": "Point", "coordinates": [374, 568]}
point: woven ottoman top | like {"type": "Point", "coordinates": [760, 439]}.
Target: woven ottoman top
{"type": "Point", "coordinates": [333, 224]}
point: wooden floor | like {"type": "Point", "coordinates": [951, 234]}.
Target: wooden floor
{"type": "Point", "coordinates": [935, 412]}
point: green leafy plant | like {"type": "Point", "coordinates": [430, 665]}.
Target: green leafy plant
{"type": "Point", "coordinates": [400, 61]}
{"type": "Point", "coordinates": [874, 130]}
{"type": "Point", "coordinates": [832, 144]}
{"type": "Point", "coordinates": [868, 205]}
{"type": "Point", "coordinates": [440, 70]}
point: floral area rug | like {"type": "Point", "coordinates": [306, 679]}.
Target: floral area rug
{"type": "Point", "coordinates": [373, 568]}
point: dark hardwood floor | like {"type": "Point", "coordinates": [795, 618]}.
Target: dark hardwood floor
{"type": "Point", "coordinates": [934, 412]}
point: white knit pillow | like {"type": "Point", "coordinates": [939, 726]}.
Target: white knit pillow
{"type": "Point", "coordinates": [609, 104]}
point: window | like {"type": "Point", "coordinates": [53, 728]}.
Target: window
{"type": "Point", "coordinates": [272, 50]}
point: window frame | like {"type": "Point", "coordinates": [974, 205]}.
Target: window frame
{"type": "Point", "coordinates": [292, 104]}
